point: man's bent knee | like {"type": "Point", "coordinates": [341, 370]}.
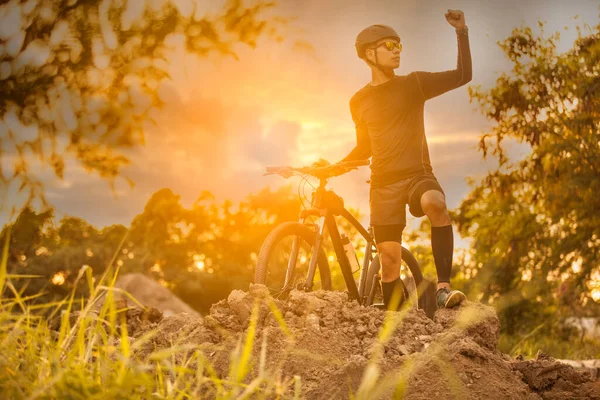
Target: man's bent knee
{"type": "Point", "coordinates": [433, 202]}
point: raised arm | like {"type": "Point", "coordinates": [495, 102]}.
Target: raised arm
{"type": "Point", "coordinates": [362, 151]}
{"type": "Point", "coordinates": [432, 84]}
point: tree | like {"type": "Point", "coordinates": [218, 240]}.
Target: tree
{"type": "Point", "coordinates": [54, 255]}
{"type": "Point", "coordinates": [535, 222]}
{"type": "Point", "coordinates": [80, 78]}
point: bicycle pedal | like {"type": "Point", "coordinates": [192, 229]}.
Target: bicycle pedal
{"type": "Point", "coordinates": [381, 306]}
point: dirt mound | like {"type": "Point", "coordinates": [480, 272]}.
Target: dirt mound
{"type": "Point", "coordinates": [557, 380]}
{"type": "Point", "coordinates": [152, 294]}
{"type": "Point", "coordinates": [339, 349]}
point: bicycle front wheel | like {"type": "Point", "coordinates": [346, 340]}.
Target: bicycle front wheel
{"type": "Point", "coordinates": [274, 265]}
{"type": "Point", "coordinates": [410, 275]}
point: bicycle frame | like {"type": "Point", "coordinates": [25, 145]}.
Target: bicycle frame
{"type": "Point", "coordinates": [326, 205]}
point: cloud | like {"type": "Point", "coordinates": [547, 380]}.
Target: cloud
{"type": "Point", "coordinates": [278, 146]}
{"type": "Point", "coordinates": [200, 144]}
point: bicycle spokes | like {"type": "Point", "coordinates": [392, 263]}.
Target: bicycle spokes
{"type": "Point", "coordinates": [288, 266]}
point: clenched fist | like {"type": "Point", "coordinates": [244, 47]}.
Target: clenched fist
{"type": "Point", "coordinates": [456, 18]}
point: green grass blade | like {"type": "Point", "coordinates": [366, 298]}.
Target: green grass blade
{"type": "Point", "coordinates": [243, 365]}
{"type": "Point", "coordinates": [4, 262]}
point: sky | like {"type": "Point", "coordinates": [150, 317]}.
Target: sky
{"type": "Point", "coordinates": [226, 120]}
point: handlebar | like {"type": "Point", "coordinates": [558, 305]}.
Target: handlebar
{"type": "Point", "coordinates": [328, 171]}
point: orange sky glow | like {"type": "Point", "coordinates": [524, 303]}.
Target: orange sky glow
{"type": "Point", "coordinates": [226, 120]}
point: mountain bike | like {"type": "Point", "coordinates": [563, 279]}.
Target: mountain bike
{"type": "Point", "coordinates": [292, 255]}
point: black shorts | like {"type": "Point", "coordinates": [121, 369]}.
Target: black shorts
{"type": "Point", "coordinates": [388, 205]}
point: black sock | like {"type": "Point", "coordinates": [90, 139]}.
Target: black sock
{"type": "Point", "coordinates": [442, 245]}
{"type": "Point", "coordinates": [388, 290]}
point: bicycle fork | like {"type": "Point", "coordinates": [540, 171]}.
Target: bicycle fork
{"type": "Point", "coordinates": [312, 266]}
{"type": "Point", "coordinates": [314, 257]}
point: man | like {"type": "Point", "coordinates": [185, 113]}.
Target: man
{"type": "Point", "coordinates": [388, 114]}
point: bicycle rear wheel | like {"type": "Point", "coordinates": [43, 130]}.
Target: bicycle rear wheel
{"type": "Point", "coordinates": [415, 288]}
{"type": "Point", "coordinates": [274, 260]}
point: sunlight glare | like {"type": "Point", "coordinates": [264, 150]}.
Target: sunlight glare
{"type": "Point", "coordinates": [576, 266]}
{"type": "Point", "coordinates": [59, 278]}
{"type": "Point", "coordinates": [41, 251]}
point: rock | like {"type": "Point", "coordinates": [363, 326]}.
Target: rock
{"type": "Point", "coordinates": [306, 303]}
{"type": "Point", "coordinates": [259, 291]}
{"type": "Point", "coordinates": [241, 304]}
{"type": "Point", "coordinates": [403, 350]}
{"type": "Point", "coordinates": [542, 373]}
{"type": "Point", "coordinates": [150, 293]}
{"type": "Point", "coordinates": [312, 322]}
{"type": "Point", "coordinates": [474, 320]}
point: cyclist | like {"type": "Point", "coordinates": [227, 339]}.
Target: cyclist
{"type": "Point", "coordinates": [388, 115]}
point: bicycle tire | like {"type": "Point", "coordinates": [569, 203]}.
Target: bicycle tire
{"type": "Point", "coordinates": [275, 236]}
{"type": "Point", "coordinates": [423, 292]}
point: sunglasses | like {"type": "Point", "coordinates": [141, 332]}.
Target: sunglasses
{"type": "Point", "coordinates": [389, 45]}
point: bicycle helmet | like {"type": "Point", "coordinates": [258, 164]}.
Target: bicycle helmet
{"type": "Point", "coordinates": [372, 34]}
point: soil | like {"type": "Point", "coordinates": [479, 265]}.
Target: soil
{"type": "Point", "coordinates": [335, 345]}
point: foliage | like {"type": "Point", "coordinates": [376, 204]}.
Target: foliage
{"type": "Point", "coordinates": [82, 78]}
